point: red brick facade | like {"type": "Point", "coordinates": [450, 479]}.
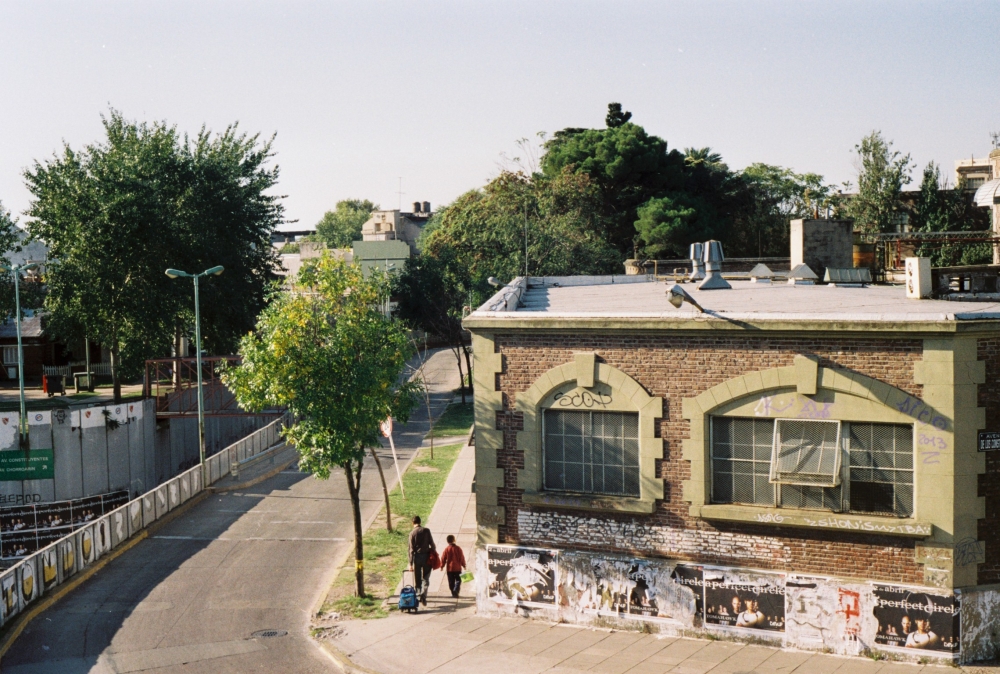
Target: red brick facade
{"type": "Point", "coordinates": [675, 367]}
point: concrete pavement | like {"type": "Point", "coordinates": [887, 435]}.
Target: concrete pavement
{"type": "Point", "coordinates": [192, 596]}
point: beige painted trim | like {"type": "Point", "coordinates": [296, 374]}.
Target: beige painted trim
{"type": "Point", "coordinates": [611, 390]}
{"type": "Point", "coordinates": [837, 395]}
{"type": "Point", "coordinates": [487, 401]}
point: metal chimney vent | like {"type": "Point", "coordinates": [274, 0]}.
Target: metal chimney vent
{"type": "Point", "coordinates": [697, 266]}
{"type": "Point", "coordinates": [713, 266]}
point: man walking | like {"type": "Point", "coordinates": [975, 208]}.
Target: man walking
{"type": "Point", "coordinates": [421, 545]}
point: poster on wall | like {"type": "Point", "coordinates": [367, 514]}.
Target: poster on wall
{"type": "Point", "coordinates": [626, 587]}
{"type": "Point", "coordinates": [27, 528]}
{"type": "Point", "coordinates": [692, 577]}
{"type": "Point", "coordinates": [521, 575]}
{"type": "Point", "coordinates": [744, 600]}
{"type": "Point", "coordinates": [912, 619]}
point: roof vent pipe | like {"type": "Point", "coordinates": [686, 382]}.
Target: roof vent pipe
{"type": "Point", "coordinates": [713, 266]}
{"type": "Point", "coordinates": [697, 266]}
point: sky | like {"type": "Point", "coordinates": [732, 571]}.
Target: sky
{"type": "Point", "coordinates": [359, 95]}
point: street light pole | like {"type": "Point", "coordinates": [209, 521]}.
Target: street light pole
{"type": "Point", "coordinates": [214, 271]}
{"type": "Point", "coordinates": [16, 270]}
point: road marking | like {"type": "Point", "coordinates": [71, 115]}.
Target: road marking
{"type": "Point", "coordinates": [251, 538]}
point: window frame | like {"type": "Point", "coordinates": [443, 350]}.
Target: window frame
{"type": "Point", "coordinates": [590, 416]}
{"type": "Point", "coordinates": [843, 499]}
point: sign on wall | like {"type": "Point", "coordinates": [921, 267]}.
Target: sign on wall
{"type": "Point", "coordinates": [34, 464]}
{"type": "Point", "coordinates": [989, 441]}
{"type": "Point", "coordinates": [744, 600]}
{"type": "Point", "coordinates": [521, 575]}
{"type": "Point", "coordinates": [911, 619]}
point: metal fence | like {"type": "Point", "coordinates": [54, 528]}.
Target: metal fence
{"type": "Point", "coordinates": [41, 572]}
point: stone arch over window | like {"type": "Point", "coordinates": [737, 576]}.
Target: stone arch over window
{"type": "Point", "coordinates": [807, 391]}
{"type": "Point", "coordinates": [588, 385]}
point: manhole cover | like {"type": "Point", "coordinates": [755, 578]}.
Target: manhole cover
{"type": "Point", "coordinates": [267, 634]}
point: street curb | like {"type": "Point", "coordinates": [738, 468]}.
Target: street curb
{"type": "Point", "coordinates": [260, 478]}
{"type": "Point", "coordinates": [344, 663]}
{"type": "Point", "coordinates": [11, 636]}
{"type": "Point", "coordinates": [8, 639]}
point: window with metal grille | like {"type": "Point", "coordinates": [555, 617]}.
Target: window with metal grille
{"type": "Point", "coordinates": [10, 355]}
{"type": "Point", "coordinates": [881, 469]}
{"type": "Point", "coordinates": [806, 452]}
{"type": "Point", "coordinates": [741, 460]}
{"type": "Point", "coordinates": [591, 452]}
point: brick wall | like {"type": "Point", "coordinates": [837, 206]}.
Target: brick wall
{"type": "Point", "coordinates": [989, 487]}
{"type": "Point", "coordinates": [677, 367]}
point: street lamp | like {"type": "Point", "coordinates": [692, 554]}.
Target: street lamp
{"type": "Point", "coordinates": [175, 273]}
{"type": "Point", "coordinates": [15, 270]}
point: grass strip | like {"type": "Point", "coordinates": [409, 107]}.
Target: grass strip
{"type": "Point", "coordinates": [457, 419]}
{"type": "Point", "coordinates": [386, 553]}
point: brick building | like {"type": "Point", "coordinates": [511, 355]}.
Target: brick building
{"type": "Point", "coordinates": [800, 464]}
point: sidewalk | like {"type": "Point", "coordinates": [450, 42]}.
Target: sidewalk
{"type": "Point", "coordinates": [447, 637]}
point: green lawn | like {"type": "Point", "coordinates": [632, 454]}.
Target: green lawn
{"type": "Point", "coordinates": [386, 553]}
{"type": "Point", "coordinates": [456, 420]}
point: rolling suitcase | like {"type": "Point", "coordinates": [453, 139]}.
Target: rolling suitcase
{"type": "Point", "coordinates": [407, 597]}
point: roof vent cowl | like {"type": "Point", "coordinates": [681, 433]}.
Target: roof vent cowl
{"type": "Point", "coordinates": [713, 258]}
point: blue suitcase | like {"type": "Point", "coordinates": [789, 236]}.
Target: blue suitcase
{"type": "Point", "coordinates": [407, 598]}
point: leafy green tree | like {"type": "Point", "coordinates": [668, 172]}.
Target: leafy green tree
{"type": "Point", "coordinates": [771, 197]}
{"type": "Point", "coordinates": [118, 213]}
{"type": "Point", "coordinates": [669, 224]}
{"type": "Point", "coordinates": [341, 227]}
{"type": "Point", "coordinates": [940, 209]}
{"type": "Point", "coordinates": [882, 173]}
{"type": "Point", "coordinates": [483, 231]}
{"type": "Point", "coordinates": [430, 293]}
{"type": "Point", "coordinates": [628, 166]}
{"type": "Point", "coordinates": [327, 352]}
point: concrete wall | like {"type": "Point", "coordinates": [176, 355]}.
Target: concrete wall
{"type": "Point", "coordinates": [90, 456]}
{"type": "Point", "coordinates": [822, 243]}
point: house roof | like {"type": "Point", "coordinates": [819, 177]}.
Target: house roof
{"type": "Point", "coordinates": [31, 326]}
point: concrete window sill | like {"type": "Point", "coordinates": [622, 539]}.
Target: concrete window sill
{"type": "Point", "coordinates": [612, 504]}
{"type": "Point", "coordinates": [815, 520]}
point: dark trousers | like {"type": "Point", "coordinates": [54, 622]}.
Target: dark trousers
{"type": "Point", "coordinates": [454, 582]}
{"type": "Point", "coordinates": [421, 575]}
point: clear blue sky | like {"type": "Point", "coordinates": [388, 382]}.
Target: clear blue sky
{"type": "Point", "coordinates": [362, 93]}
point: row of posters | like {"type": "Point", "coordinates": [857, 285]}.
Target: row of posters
{"type": "Point", "coordinates": [25, 529]}
{"type": "Point", "coordinates": [724, 598]}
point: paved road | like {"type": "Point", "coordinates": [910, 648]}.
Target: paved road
{"type": "Point", "coordinates": [189, 598]}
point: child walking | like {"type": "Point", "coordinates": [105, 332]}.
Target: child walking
{"type": "Point", "coordinates": [453, 562]}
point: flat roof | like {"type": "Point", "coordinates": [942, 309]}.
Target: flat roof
{"type": "Point", "coordinates": [644, 300]}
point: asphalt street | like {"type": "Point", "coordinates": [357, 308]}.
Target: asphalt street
{"type": "Point", "coordinates": [192, 596]}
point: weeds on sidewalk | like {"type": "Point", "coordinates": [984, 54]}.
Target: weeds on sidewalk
{"type": "Point", "coordinates": [386, 553]}
{"type": "Point", "coordinates": [457, 419]}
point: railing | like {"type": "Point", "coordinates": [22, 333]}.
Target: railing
{"type": "Point", "coordinates": [173, 383]}
{"type": "Point", "coordinates": [258, 442]}
{"type": "Point", "coordinates": [38, 574]}
{"type": "Point", "coordinates": [102, 369]}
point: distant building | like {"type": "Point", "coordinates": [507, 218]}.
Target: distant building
{"type": "Point", "coordinates": [396, 225]}
{"type": "Point", "coordinates": [976, 171]}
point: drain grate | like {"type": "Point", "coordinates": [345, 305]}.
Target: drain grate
{"type": "Point", "coordinates": [267, 634]}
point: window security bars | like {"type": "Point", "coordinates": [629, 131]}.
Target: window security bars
{"type": "Point", "coordinates": [873, 475]}
{"type": "Point", "coordinates": [591, 452]}
{"type": "Point", "coordinates": [806, 452]}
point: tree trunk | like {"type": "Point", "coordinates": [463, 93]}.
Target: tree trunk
{"type": "Point", "coordinates": [461, 377]}
{"type": "Point", "coordinates": [178, 355]}
{"type": "Point", "coordinates": [354, 488]}
{"type": "Point", "coordinates": [385, 491]}
{"type": "Point", "coordinates": [468, 366]}
{"type": "Point", "coordinates": [115, 378]}
{"type": "Point", "coordinates": [430, 419]}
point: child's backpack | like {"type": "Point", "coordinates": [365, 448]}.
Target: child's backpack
{"type": "Point", "coordinates": [408, 598]}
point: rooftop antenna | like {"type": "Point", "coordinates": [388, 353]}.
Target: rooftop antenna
{"type": "Point", "coordinates": [400, 192]}
{"type": "Point", "coordinates": [995, 135]}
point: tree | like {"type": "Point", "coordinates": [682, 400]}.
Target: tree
{"type": "Point", "coordinates": [327, 352]}
{"type": "Point", "coordinates": [626, 164]}
{"type": "Point", "coordinates": [341, 227]}
{"type": "Point", "coordinates": [882, 172]}
{"type": "Point", "coordinates": [771, 197]}
{"type": "Point", "coordinates": [940, 209]}
{"type": "Point", "coordinates": [118, 213]}
{"type": "Point", "coordinates": [482, 233]}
